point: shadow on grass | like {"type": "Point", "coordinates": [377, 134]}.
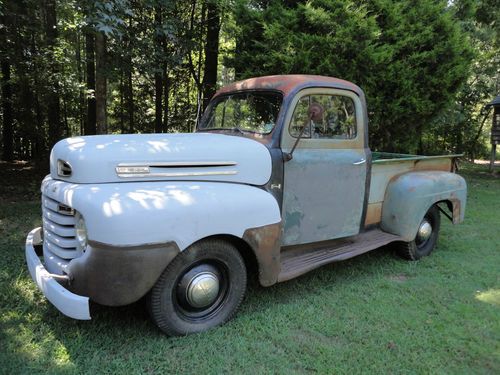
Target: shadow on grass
{"type": "Point", "coordinates": [35, 337]}
{"type": "Point", "coordinates": [130, 325]}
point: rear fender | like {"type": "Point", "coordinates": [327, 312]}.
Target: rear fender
{"type": "Point", "coordinates": [409, 196]}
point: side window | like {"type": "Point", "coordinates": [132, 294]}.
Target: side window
{"type": "Point", "coordinates": [324, 116]}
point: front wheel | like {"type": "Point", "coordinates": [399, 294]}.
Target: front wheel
{"type": "Point", "coordinates": [426, 238]}
{"type": "Point", "coordinates": [200, 289]}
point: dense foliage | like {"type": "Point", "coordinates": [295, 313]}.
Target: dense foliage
{"type": "Point", "coordinates": [87, 67]}
{"type": "Point", "coordinates": [410, 60]}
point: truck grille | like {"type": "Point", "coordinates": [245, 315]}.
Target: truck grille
{"type": "Point", "coordinates": [59, 229]}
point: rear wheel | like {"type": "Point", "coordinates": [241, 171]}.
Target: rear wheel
{"type": "Point", "coordinates": [426, 238]}
{"type": "Point", "coordinates": [201, 288]}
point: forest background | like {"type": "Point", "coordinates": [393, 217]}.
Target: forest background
{"type": "Point", "coordinates": [86, 67]}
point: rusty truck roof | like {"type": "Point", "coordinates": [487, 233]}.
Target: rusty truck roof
{"type": "Point", "coordinates": [289, 83]}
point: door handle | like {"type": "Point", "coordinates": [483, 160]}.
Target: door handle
{"type": "Point", "coordinates": [362, 161]}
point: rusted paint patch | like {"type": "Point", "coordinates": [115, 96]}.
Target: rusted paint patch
{"type": "Point", "coordinates": [287, 83]}
{"type": "Point", "coordinates": [439, 164]}
{"type": "Point", "coordinates": [119, 275]}
{"type": "Point", "coordinates": [385, 171]}
{"type": "Point", "coordinates": [457, 213]}
{"type": "Point", "coordinates": [373, 214]}
{"type": "Point", "coordinates": [265, 242]}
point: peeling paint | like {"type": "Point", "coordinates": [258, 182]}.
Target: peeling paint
{"type": "Point", "coordinates": [402, 212]}
{"type": "Point", "coordinates": [265, 241]}
{"type": "Point", "coordinates": [324, 195]}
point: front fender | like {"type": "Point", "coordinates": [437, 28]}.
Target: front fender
{"type": "Point", "coordinates": [135, 214]}
{"type": "Point", "coordinates": [410, 195]}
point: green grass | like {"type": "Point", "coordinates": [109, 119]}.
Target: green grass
{"type": "Point", "coordinates": [372, 314]}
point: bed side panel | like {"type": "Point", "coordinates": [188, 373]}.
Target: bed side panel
{"type": "Point", "coordinates": [384, 170]}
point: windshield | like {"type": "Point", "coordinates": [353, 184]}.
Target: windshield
{"type": "Point", "coordinates": [254, 112]}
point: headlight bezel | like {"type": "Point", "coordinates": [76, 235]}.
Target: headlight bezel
{"type": "Point", "coordinates": [81, 233]}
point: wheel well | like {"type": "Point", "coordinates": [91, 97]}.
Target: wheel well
{"type": "Point", "coordinates": [449, 205]}
{"type": "Point", "coordinates": [245, 251]}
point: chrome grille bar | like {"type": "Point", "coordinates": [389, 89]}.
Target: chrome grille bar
{"type": "Point", "coordinates": [59, 229]}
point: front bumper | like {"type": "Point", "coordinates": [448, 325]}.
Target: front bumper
{"type": "Point", "coordinates": [108, 275]}
{"type": "Point", "coordinates": [70, 304]}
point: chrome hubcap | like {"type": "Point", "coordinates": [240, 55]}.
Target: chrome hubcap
{"type": "Point", "coordinates": [424, 231]}
{"type": "Point", "coordinates": [202, 289]}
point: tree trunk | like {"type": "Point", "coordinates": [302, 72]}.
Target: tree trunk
{"type": "Point", "coordinates": [122, 101]}
{"type": "Point", "coordinates": [90, 124]}
{"type": "Point", "coordinates": [158, 75]}
{"type": "Point", "coordinates": [211, 52]}
{"type": "Point", "coordinates": [67, 131]}
{"type": "Point", "coordinates": [130, 100]}
{"type": "Point", "coordinates": [53, 105]}
{"type": "Point", "coordinates": [478, 134]}
{"type": "Point", "coordinates": [196, 71]}
{"type": "Point", "coordinates": [158, 103]}
{"type": "Point", "coordinates": [78, 57]}
{"type": "Point", "coordinates": [39, 139]}
{"type": "Point", "coordinates": [101, 83]}
{"type": "Point", "coordinates": [166, 94]}
{"type": "Point", "coordinates": [8, 123]}
{"type": "Point", "coordinates": [40, 148]}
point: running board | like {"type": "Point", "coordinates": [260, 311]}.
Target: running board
{"type": "Point", "coordinates": [298, 260]}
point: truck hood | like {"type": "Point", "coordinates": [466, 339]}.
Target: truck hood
{"type": "Point", "coordinates": [146, 157]}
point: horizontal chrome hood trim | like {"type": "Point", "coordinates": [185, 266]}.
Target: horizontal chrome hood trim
{"type": "Point", "coordinates": [141, 170]}
{"type": "Point", "coordinates": [173, 164]}
{"type": "Point", "coordinates": [177, 174]}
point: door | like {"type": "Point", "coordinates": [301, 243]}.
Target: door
{"type": "Point", "coordinates": [325, 182]}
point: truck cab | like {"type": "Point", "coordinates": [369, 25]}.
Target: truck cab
{"type": "Point", "coordinates": [277, 179]}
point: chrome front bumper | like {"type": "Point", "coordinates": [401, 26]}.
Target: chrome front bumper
{"type": "Point", "coordinates": [70, 304]}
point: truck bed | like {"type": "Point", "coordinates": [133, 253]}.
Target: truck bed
{"type": "Point", "coordinates": [386, 165]}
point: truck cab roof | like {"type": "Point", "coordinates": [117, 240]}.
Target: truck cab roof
{"type": "Point", "coordinates": [289, 84]}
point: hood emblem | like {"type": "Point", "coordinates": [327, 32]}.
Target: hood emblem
{"type": "Point", "coordinates": [123, 169]}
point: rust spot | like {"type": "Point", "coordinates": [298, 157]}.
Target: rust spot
{"type": "Point", "coordinates": [373, 214]}
{"type": "Point", "coordinates": [442, 164]}
{"type": "Point", "coordinates": [266, 242]}
{"type": "Point", "coordinates": [456, 210]}
{"type": "Point", "coordinates": [287, 83]}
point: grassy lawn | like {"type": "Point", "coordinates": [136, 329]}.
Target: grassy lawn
{"type": "Point", "coordinates": [372, 314]}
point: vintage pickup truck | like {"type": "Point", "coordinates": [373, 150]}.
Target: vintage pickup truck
{"type": "Point", "coordinates": [277, 180]}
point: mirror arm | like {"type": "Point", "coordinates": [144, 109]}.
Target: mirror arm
{"type": "Point", "coordinates": [287, 156]}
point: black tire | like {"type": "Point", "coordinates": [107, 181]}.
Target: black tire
{"type": "Point", "coordinates": [169, 303]}
{"type": "Point", "coordinates": [417, 248]}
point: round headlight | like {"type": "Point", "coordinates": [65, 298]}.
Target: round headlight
{"type": "Point", "coordinates": [81, 232]}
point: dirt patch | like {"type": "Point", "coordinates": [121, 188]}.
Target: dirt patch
{"type": "Point", "coordinates": [401, 278]}
{"type": "Point", "coordinates": [309, 337]}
